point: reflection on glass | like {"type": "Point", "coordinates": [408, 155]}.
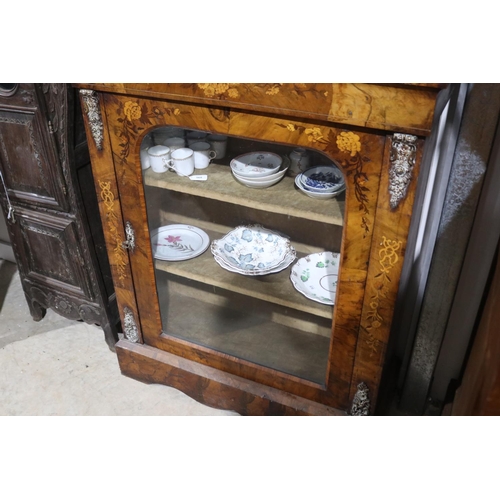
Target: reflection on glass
{"type": "Point", "coordinates": [247, 254]}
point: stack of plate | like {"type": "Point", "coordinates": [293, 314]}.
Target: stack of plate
{"type": "Point", "coordinates": [321, 182]}
{"type": "Point", "coordinates": [260, 169]}
{"type": "Point", "coordinates": [253, 251]}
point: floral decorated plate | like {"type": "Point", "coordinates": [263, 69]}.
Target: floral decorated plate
{"type": "Point", "coordinates": [252, 250]}
{"type": "Point", "coordinates": [178, 242]}
{"type": "Point", "coordinates": [257, 164]}
{"type": "Point", "coordinates": [288, 260]}
{"type": "Point", "coordinates": [322, 179]}
{"type": "Point", "coordinates": [315, 276]}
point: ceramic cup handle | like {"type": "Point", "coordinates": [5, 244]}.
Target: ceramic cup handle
{"type": "Point", "coordinates": [212, 154]}
{"type": "Point", "coordinates": [170, 164]}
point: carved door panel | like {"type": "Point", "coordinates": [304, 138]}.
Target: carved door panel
{"type": "Point", "coordinates": [49, 252]}
{"type": "Point", "coordinates": [28, 156]}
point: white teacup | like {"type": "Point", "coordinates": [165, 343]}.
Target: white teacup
{"type": "Point", "coordinates": [202, 154]}
{"type": "Point", "coordinates": [219, 144]}
{"type": "Point", "coordinates": [195, 136]}
{"type": "Point", "coordinates": [182, 161]}
{"type": "Point", "coordinates": [158, 155]}
{"type": "Point", "coordinates": [175, 143]}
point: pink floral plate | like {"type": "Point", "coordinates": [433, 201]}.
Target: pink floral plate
{"type": "Point", "coordinates": [178, 242]}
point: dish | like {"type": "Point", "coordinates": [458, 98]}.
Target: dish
{"type": "Point", "coordinates": [322, 179]}
{"type": "Point", "coordinates": [286, 262]}
{"type": "Point", "coordinates": [312, 194]}
{"type": "Point", "coordinates": [256, 164]}
{"type": "Point", "coordinates": [315, 276]}
{"type": "Point", "coordinates": [258, 184]}
{"type": "Point", "coordinates": [178, 242]}
{"type": "Point", "coordinates": [266, 181]}
{"type": "Point", "coordinates": [253, 250]}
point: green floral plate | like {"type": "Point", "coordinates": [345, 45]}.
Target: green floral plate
{"type": "Point", "coordinates": [315, 276]}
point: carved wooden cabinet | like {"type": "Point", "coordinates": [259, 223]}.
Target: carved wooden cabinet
{"type": "Point", "coordinates": [50, 205]}
{"type": "Point", "coordinates": [253, 343]}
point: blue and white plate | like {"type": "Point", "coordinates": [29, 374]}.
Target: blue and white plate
{"type": "Point", "coordinates": [313, 194]}
{"type": "Point", "coordinates": [323, 179]}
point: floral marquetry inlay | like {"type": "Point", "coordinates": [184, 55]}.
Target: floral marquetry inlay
{"type": "Point", "coordinates": [219, 89]}
{"type": "Point", "coordinates": [388, 257]}
{"type": "Point", "coordinates": [134, 118]}
{"type": "Point", "coordinates": [108, 198]}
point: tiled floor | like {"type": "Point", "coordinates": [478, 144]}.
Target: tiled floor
{"type": "Point", "coordinates": [63, 367]}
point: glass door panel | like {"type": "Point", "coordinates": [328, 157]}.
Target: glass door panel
{"type": "Point", "coordinates": [270, 305]}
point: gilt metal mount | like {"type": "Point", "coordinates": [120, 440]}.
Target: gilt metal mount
{"type": "Point", "coordinates": [91, 107]}
{"type": "Point", "coordinates": [129, 244]}
{"type": "Point", "coordinates": [402, 161]}
{"type": "Point", "coordinates": [129, 326]}
{"type": "Point", "coordinates": [361, 401]}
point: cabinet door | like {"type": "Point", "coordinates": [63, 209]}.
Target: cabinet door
{"type": "Point", "coordinates": [28, 158]}
{"type": "Point", "coordinates": [49, 252]}
{"type": "Point", "coordinates": [257, 327]}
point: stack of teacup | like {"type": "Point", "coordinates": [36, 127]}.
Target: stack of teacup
{"type": "Point", "coordinates": [180, 152]}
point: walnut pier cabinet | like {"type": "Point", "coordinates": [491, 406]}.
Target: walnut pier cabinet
{"type": "Point", "coordinates": [253, 343]}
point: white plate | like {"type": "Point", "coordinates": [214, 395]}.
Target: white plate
{"type": "Point", "coordinates": [252, 250]}
{"type": "Point", "coordinates": [256, 164]}
{"type": "Point", "coordinates": [178, 242]}
{"type": "Point", "coordinates": [315, 276]}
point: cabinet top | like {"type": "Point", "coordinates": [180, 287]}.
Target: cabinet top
{"type": "Point", "coordinates": [407, 108]}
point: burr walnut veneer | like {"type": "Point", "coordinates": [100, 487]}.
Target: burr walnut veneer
{"type": "Point", "coordinates": [253, 344]}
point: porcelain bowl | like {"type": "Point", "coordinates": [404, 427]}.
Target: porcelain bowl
{"type": "Point", "coordinates": [322, 179]}
{"type": "Point", "coordinates": [258, 184]}
{"type": "Point", "coordinates": [319, 196]}
{"type": "Point", "coordinates": [256, 164]}
{"type": "Point", "coordinates": [277, 175]}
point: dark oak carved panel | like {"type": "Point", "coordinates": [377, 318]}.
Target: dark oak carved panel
{"type": "Point", "coordinates": [42, 160]}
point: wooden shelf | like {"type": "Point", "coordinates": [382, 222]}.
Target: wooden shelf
{"type": "Point", "coordinates": [275, 288]}
{"type": "Point", "coordinates": [282, 198]}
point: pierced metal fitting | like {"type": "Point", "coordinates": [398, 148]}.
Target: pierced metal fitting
{"type": "Point", "coordinates": [91, 107]}
{"type": "Point", "coordinates": [402, 161]}
{"type": "Point", "coordinates": [361, 401]}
